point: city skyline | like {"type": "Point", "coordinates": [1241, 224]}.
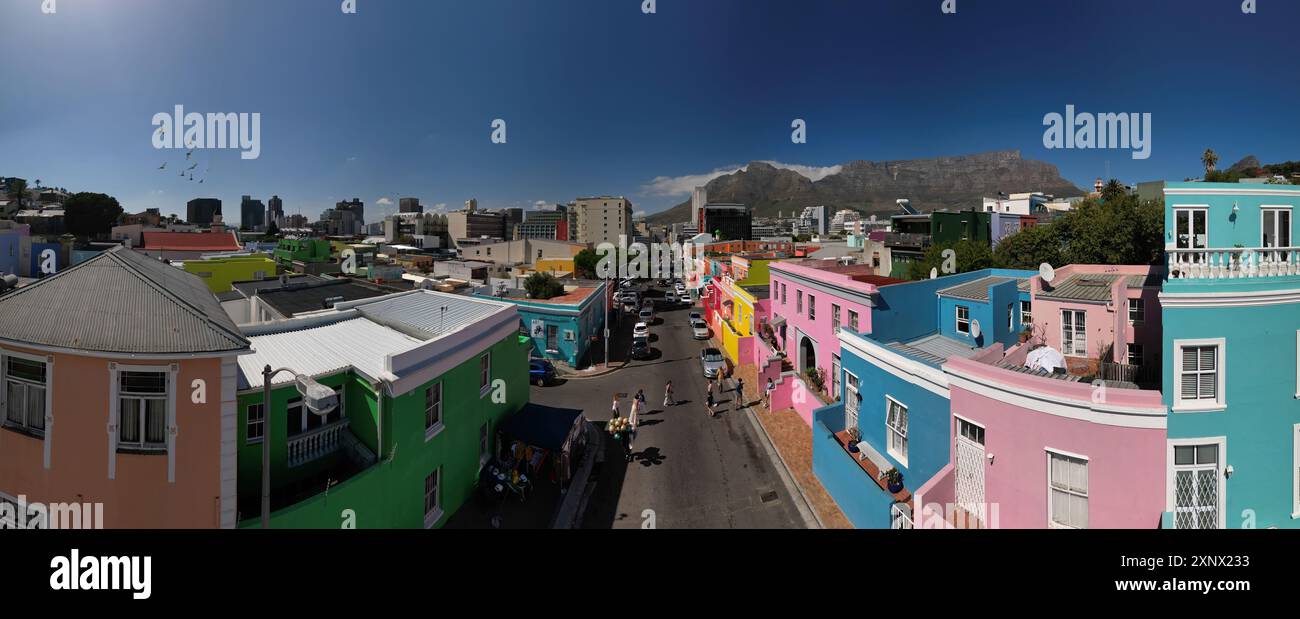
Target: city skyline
{"type": "Point", "coordinates": [405, 107]}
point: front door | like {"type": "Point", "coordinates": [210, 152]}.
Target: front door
{"type": "Point", "coordinates": [851, 403]}
{"type": "Point", "coordinates": [552, 337]}
{"type": "Point", "coordinates": [970, 469]}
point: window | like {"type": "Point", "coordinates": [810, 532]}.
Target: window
{"type": "Point", "coordinates": [432, 408]}
{"type": "Point", "coordinates": [1074, 333]}
{"type": "Point", "coordinates": [1195, 486]}
{"type": "Point", "coordinates": [1011, 317]}
{"type": "Point", "coordinates": [1275, 227]}
{"type": "Point", "coordinates": [24, 393]}
{"type": "Point", "coordinates": [785, 298]}
{"type": "Point", "coordinates": [484, 374]}
{"type": "Point", "coordinates": [256, 423]}
{"type": "Point", "coordinates": [1189, 226]}
{"type": "Point", "coordinates": [896, 423]}
{"type": "Point", "coordinates": [798, 301]}
{"type": "Point", "coordinates": [1067, 491]}
{"type": "Point", "coordinates": [970, 431]}
{"type": "Point", "coordinates": [1136, 311]}
{"type": "Point", "coordinates": [1026, 316]}
{"type": "Point", "coordinates": [835, 317]}
{"type": "Point", "coordinates": [484, 444]}
{"type": "Point", "coordinates": [1199, 377]}
{"type": "Point", "coordinates": [1135, 354]}
{"type": "Point", "coordinates": [432, 498]}
{"type": "Point", "coordinates": [142, 410]}
{"type": "Point", "coordinates": [812, 307]}
{"type": "Point", "coordinates": [853, 321]}
{"type": "Point", "coordinates": [963, 319]}
{"type": "Point", "coordinates": [851, 401]}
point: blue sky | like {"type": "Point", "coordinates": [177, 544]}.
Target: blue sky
{"type": "Point", "coordinates": [599, 98]}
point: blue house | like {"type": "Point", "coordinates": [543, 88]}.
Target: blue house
{"type": "Point", "coordinates": [1231, 306]}
{"type": "Point", "coordinates": [562, 328]}
{"type": "Point", "coordinates": [894, 391]}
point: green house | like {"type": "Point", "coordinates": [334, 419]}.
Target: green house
{"type": "Point", "coordinates": [948, 227]}
{"type": "Point", "coordinates": [302, 250]}
{"type": "Point", "coordinates": [424, 380]}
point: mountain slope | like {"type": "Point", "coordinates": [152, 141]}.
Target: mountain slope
{"type": "Point", "coordinates": [873, 186]}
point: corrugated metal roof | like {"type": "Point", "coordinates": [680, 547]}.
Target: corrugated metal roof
{"type": "Point", "coordinates": [1151, 280]}
{"type": "Point", "coordinates": [934, 349]}
{"type": "Point", "coordinates": [977, 290]}
{"type": "Point", "coordinates": [420, 312]}
{"type": "Point", "coordinates": [1092, 287]}
{"type": "Point", "coordinates": [120, 301]}
{"type": "Point", "coordinates": [352, 343]}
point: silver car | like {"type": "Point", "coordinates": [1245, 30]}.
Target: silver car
{"type": "Point", "coordinates": [700, 329]}
{"type": "Point", "coordinates": [712, 362]}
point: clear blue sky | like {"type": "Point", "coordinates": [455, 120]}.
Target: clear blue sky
{"type": "Point", "coordinates": [599, 98]}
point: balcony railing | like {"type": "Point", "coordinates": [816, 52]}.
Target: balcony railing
{"type": "Point", "coordinates": [316, 443]}
{"type": "Point", "coordinates": [900, 516]}
{"type": "Point", "coordinates": [907, 239]}
{"type": "Point", "coordinates": [1233, 263]}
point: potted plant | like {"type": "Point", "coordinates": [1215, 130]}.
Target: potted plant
{"type": "Point", "coordinates": [894, 480]}
{"type": "Point", "coordinates": [1027, 334]}
{"type": "Point", "coordinates": [855, 436]}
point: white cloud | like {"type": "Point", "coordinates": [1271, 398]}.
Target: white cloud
{"type": "Point", "coordinates": [384, 202]}
{"type": "Point", "coordinates": [539, 204]}
{"type": "Point", "coordinates": [683, 185]}
{"type": "Point", "coordinates": [440, 207]}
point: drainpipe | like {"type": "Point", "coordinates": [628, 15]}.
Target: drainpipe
{"type": "Point", "coordinates": [379, 436]}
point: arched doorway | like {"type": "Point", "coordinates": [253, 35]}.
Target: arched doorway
{"type": "Point", "coordinates": [807, 354]}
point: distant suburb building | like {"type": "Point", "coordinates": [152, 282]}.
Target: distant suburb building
{"type": "Point", "coordinates": [603, 219]}
{"type": "Point", "coordinates": [187, 245]}
{"type": "Point", "coordinates": [119, 389]}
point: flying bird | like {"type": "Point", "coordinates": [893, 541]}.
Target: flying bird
{"type": "Point", "coordinates": [196, 164]}
{"type": "Point", "coordinates": [163, 166]}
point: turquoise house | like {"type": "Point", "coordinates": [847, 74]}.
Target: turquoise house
{"type": "Point", "coordinates": [1231, 306]}
{"type": "Point", "coordinates": [562, 328]}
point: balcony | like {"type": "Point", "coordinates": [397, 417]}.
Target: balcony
{"type": "Point", "coordinates": [900, 516]}
{"type": "Point", "coordinates": [316, 443]}
{"type": "Point", "coordinates": [907, 240]}
{"type": "Point", "coordinates": [1233, 263]}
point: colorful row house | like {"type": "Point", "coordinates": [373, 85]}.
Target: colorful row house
{"type": "Point", "coordinates": [424, 380]}
{"type": "Point", "coordinates": [1232, 334]}
{"type": "Point", "coordinates": [945, 397]}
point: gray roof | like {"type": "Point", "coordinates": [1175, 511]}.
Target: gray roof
{"type": "Point", "coordinates": [1151, 280]}
{"type": "Point", "coordinates": [120, 301]}
{"type": "Point", "coordinates": [420, 314]}
{"type": "Point", "coordinates": [324, 349]}
{"type": "Point", "coordinates": [933, 349]}
{"type": "Point", "coordinates": [978, 290]}
{"type": "Point", "coordinates": [251, 288]}
{"type": "Point", "coordinates": [1090, 287]}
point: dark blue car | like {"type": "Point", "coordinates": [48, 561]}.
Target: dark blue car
{"type": "Point", "coordinates": [540, 372]}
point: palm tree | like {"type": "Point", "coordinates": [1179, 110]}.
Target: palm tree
{"type": "Point", "coordinates": [17, 188]}
{"type": "Point", "coordinates": [1209, 159]}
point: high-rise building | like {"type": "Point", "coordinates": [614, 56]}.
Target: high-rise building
{"type": "Point", "coordinates": [603, 219]}
{"type": "Point", "coordinates": [475, 224]}
{"type": "Point", "coordinates": [200, 211]}
{"type": "Point", "coordinates": [356, 207]}
{"type": "Point", "coordinates": [699, 198]}
{"type": "Point", "coordinates": [275, 211]}
{"type": "Point", "coordinates": [727, 222]}
{"type": "Point", "coordinates": [547, 222]}
{"type": "Point", "coordinates": [410, 205]}
{"type": "Point", "coordinates": [252, 214]}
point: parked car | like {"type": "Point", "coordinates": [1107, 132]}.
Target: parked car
{"type": "Point", "coordinates": [647, 315]}
{"type": "Point", "coordinates": [694, 316]}
{"type": "Point", "coordinates": [641, 329]}
{"type": "Point", "coordinates": [663, 283]}
{"type": "Point", "coordinates": [700, 329]}
{"type": "Point", "coordinates": [670, 299]}
{"type": "Point", "coordinates": [641, 348]}
{"type": "Point", "coordinates": [712, 362]}
{"type": "Point", "coordinates": [541, 372]}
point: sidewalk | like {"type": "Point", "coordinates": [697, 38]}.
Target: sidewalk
{"type": "Point", "coordinates": [793, 441]}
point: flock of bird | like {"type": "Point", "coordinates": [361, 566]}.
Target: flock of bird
{"type": "Point", "coordinates": [188, 172]}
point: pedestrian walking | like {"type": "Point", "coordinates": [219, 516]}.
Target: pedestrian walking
{"type": "Point", "coordinates": [767, 394]}
{"type": "Point", "coordinates": [710, 402]}
{"type": "Point", "coordinates": [640, 396]}
{"type": "Point", "coordinates": [633, 419]}
{"type": "Point", "coordinates": [668, 395]}
{"type": "Point", "coordinates": [740, 393]}
{"type": "Point", "coordinates": [614, 410]}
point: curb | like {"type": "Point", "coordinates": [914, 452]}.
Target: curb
{"type": "Point", "coordinates": [595, 375]}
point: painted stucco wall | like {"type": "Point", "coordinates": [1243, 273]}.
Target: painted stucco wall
{"type": "Point", "coordinates": [139, 495]}
{"type": "Point", "coordinates": [1224, 228]}
{"type": "Point", "coordinates": [1105, 323]}
{"type": "Point", "coordinates": [222, 273]}
{"type": "Point", "coordinates": [789, 280]}
{"type": "Point", "coordinates": [9, 254]}
{"type": "Point", "coordinates": [855, 493]}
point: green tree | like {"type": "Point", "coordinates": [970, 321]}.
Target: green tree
{"type": "Point", "coordinates": [1029, 248]}
{"type": "Point", "coordinates": [1118, 230]}
{"type": "Point", "coordinates": [90, 215]}
{"type": "Point", "coordinates": [584, 263]}
{"type": "Point", "coordinates": [1209, 159]}
{"type": "Point", "coordinates": [272, 231]}
{"type": "Point", "coordinates": [543, 286]}
{"type": "Point", "coordinates": [969, 256]}
{"type": "Point", "coordinates": [17, 187]}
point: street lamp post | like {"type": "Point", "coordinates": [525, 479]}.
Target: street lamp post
{"type": "Point", "coordinates": [318, 399]}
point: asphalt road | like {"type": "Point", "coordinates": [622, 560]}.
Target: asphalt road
{"type": "Point", "coordinates": [690, 470]}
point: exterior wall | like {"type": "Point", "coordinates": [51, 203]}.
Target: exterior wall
{"type": "Point", "coordinates": [223, 272]}
{"type": "Point", "coordinates": [9, 254]}
{"type": "Point", "coordinates": [1224, 227]}
{"type": "Point", "coordinates": [992, 316]}
{"type": "Point", "coordinates": [138, 494]}
{"type": "Point", "coordinates": [585, 321]}
{"type": "Point", "coordinates": [391, 494]}
{"type": "Point", "coordinates": [1126, 477]}
{"type": "Point", "coordinates": [554, 265]}
{"type": "Point", "coordinates": [948, 228]}
{"type": "Point", "coordinates": [1106, 324]}
{"type": "Point", "coordinates": [830, 289]}
{"type": "Point", "coordinates": [855, 493]}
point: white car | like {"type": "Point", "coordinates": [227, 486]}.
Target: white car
{"type": "Point", "coordinates": [700, 329]}
{"type": "Point", "coordinates": [694, 316]}
{"type": "Point", "coordinates": [647, 315]}
{"type": "Point", "coordinates": [641, 330]}
{"type": "Point", "coordinates": [670, 299]}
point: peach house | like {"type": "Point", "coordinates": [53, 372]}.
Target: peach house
{"type": "Point", "coordinates": [119, 389]}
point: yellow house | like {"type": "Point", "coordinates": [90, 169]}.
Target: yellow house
{"type": "Point", "coordinates": [220, 273]}
{"type": "Point", "coordinates": [554, 265]}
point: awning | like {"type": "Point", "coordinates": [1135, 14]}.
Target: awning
{"type": "Point", "coordinates": [777, 322]}
{"type": "Point", "coordinates": [543, 426]}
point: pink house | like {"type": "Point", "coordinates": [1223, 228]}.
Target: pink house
{"type": "Point", "coordinates": [1034, 451]}
{"type": "Point", "coordinates": [809, 302]}
{"type": "Point", "coordinates": [1088, 311]}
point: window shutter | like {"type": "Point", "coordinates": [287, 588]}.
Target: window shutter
{"type": "Point", "coordinates": [1189, 359]}
{"type": "Point", "coordinates": [1208, 357]}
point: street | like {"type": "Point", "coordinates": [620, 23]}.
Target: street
{"type": "Point", "coordinates": [691, 470]}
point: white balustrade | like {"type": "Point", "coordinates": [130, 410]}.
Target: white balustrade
{"type": "Point", "coordinates": [1233, 263]}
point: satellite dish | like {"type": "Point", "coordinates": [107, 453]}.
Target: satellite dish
{"type": "Point", "coordinates": [1046, 272]}
{"type": "Point", "coordinates": [934, 273]}
{"type": "Point", "coordinates": [975, 329]}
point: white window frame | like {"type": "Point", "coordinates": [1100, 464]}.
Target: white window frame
{"type": "Point", "coordinates": [434, 514]}
{"type": "Point", "coordinates": [484, 374]}
{"type": "Point", "coordinates": [1170, 487]}
{"type": "Point", "coordinates": [798, 301]}
{"type": "Point", "coordinates": [1142, 311]}
{"type": "Point", "coordinates": [1295, 472]}
{"type": "Point", "coordinates": [1051, 490]}
{"type": "Point", "coordinates": [852, 407]}
{"type": "Point", "coordinates": [957, 315]}
{"type": "Point", "coordinates": [249, 439]}
{"type": "Point", "coordinates": [1277, 209]}
{"type": "Point", "coordinates": [1011, 317]}
{"type": "Point", "coordinates": [436, 428]}
{"type": "Point", "coordinates": [853, 321]}
{"type": "Point", "coordinates": [1076, 334]}
{"type": "Point", "coordinates": [167, 396]}
{"type": "Point", "coordinates": [1026, 313]}
{"type": "Point", "coordinates": [46, 414]}
{"type": "Point", "coordinates": [891, 431]}
{"type": "Point", "coordinates": [835, 318]}
{"type": "Point", "coordinates": [1192, 209]}
{"type": "Point", "coordinates": [1220, 402]}
{"type": "Point", "coordinates": [812, 307]}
